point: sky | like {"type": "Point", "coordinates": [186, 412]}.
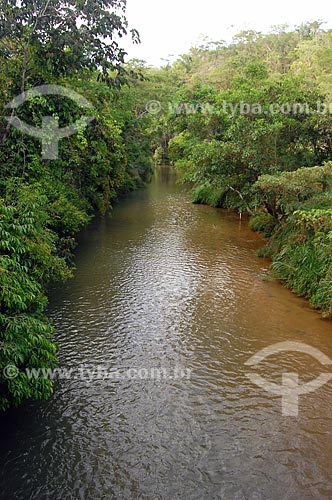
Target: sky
{"type": "Point", "coordinates": [170, 27]}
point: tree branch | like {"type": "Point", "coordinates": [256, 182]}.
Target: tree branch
{"type": "Point", "coordinates": [250, 212]}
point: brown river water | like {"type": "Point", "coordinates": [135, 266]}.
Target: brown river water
{"type": "Point", "coordinates": [168, 302]}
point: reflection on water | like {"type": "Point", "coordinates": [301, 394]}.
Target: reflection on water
{"type": "Point", "coordinates": [167, 284]}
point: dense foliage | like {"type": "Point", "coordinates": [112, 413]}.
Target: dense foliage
{"type": "Point", "coordinates": [247, 125]}
{"type": "Point", "coordinates": [44, 203]}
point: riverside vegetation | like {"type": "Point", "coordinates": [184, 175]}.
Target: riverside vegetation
{"type": "Point", "coordinates": [250, 126]}
{"type": "Point", "coordinates": [214, 123]}
{"type": "Point", "coordinates": [44, 203]}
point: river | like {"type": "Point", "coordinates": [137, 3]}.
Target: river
{"type": "Point", "coordinates": [168, 302]}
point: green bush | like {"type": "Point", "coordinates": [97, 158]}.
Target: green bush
{"type": "Point", "coordinates": [28, 261]}
{"type": "Point", "coordinates": [208, 195]}
{"type": "Point", "coordinates": [264, 223]}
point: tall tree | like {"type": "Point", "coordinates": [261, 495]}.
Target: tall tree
{"type": "Point", "coordinates": [66, 35]}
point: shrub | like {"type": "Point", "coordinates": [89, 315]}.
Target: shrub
{"type": "Point", "coordinates": [207, 194]}
{"type": "Point", "coordinates": [264, 223]}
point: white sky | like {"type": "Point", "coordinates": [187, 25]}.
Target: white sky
{"type": "Point", "coordinates": [171, 27]}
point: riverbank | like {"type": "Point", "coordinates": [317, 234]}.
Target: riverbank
{"type": "Point", "coordinates": [292, 210]}
{"type": "Point", "coordinates": [39, 221]}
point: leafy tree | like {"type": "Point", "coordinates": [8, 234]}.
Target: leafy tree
{"type": "Point", "coordinates": [65, 36]}
{"type": "Point", "coordinates": [281, 194]}
{"type": "Point", "coordinates": [27, 261]}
